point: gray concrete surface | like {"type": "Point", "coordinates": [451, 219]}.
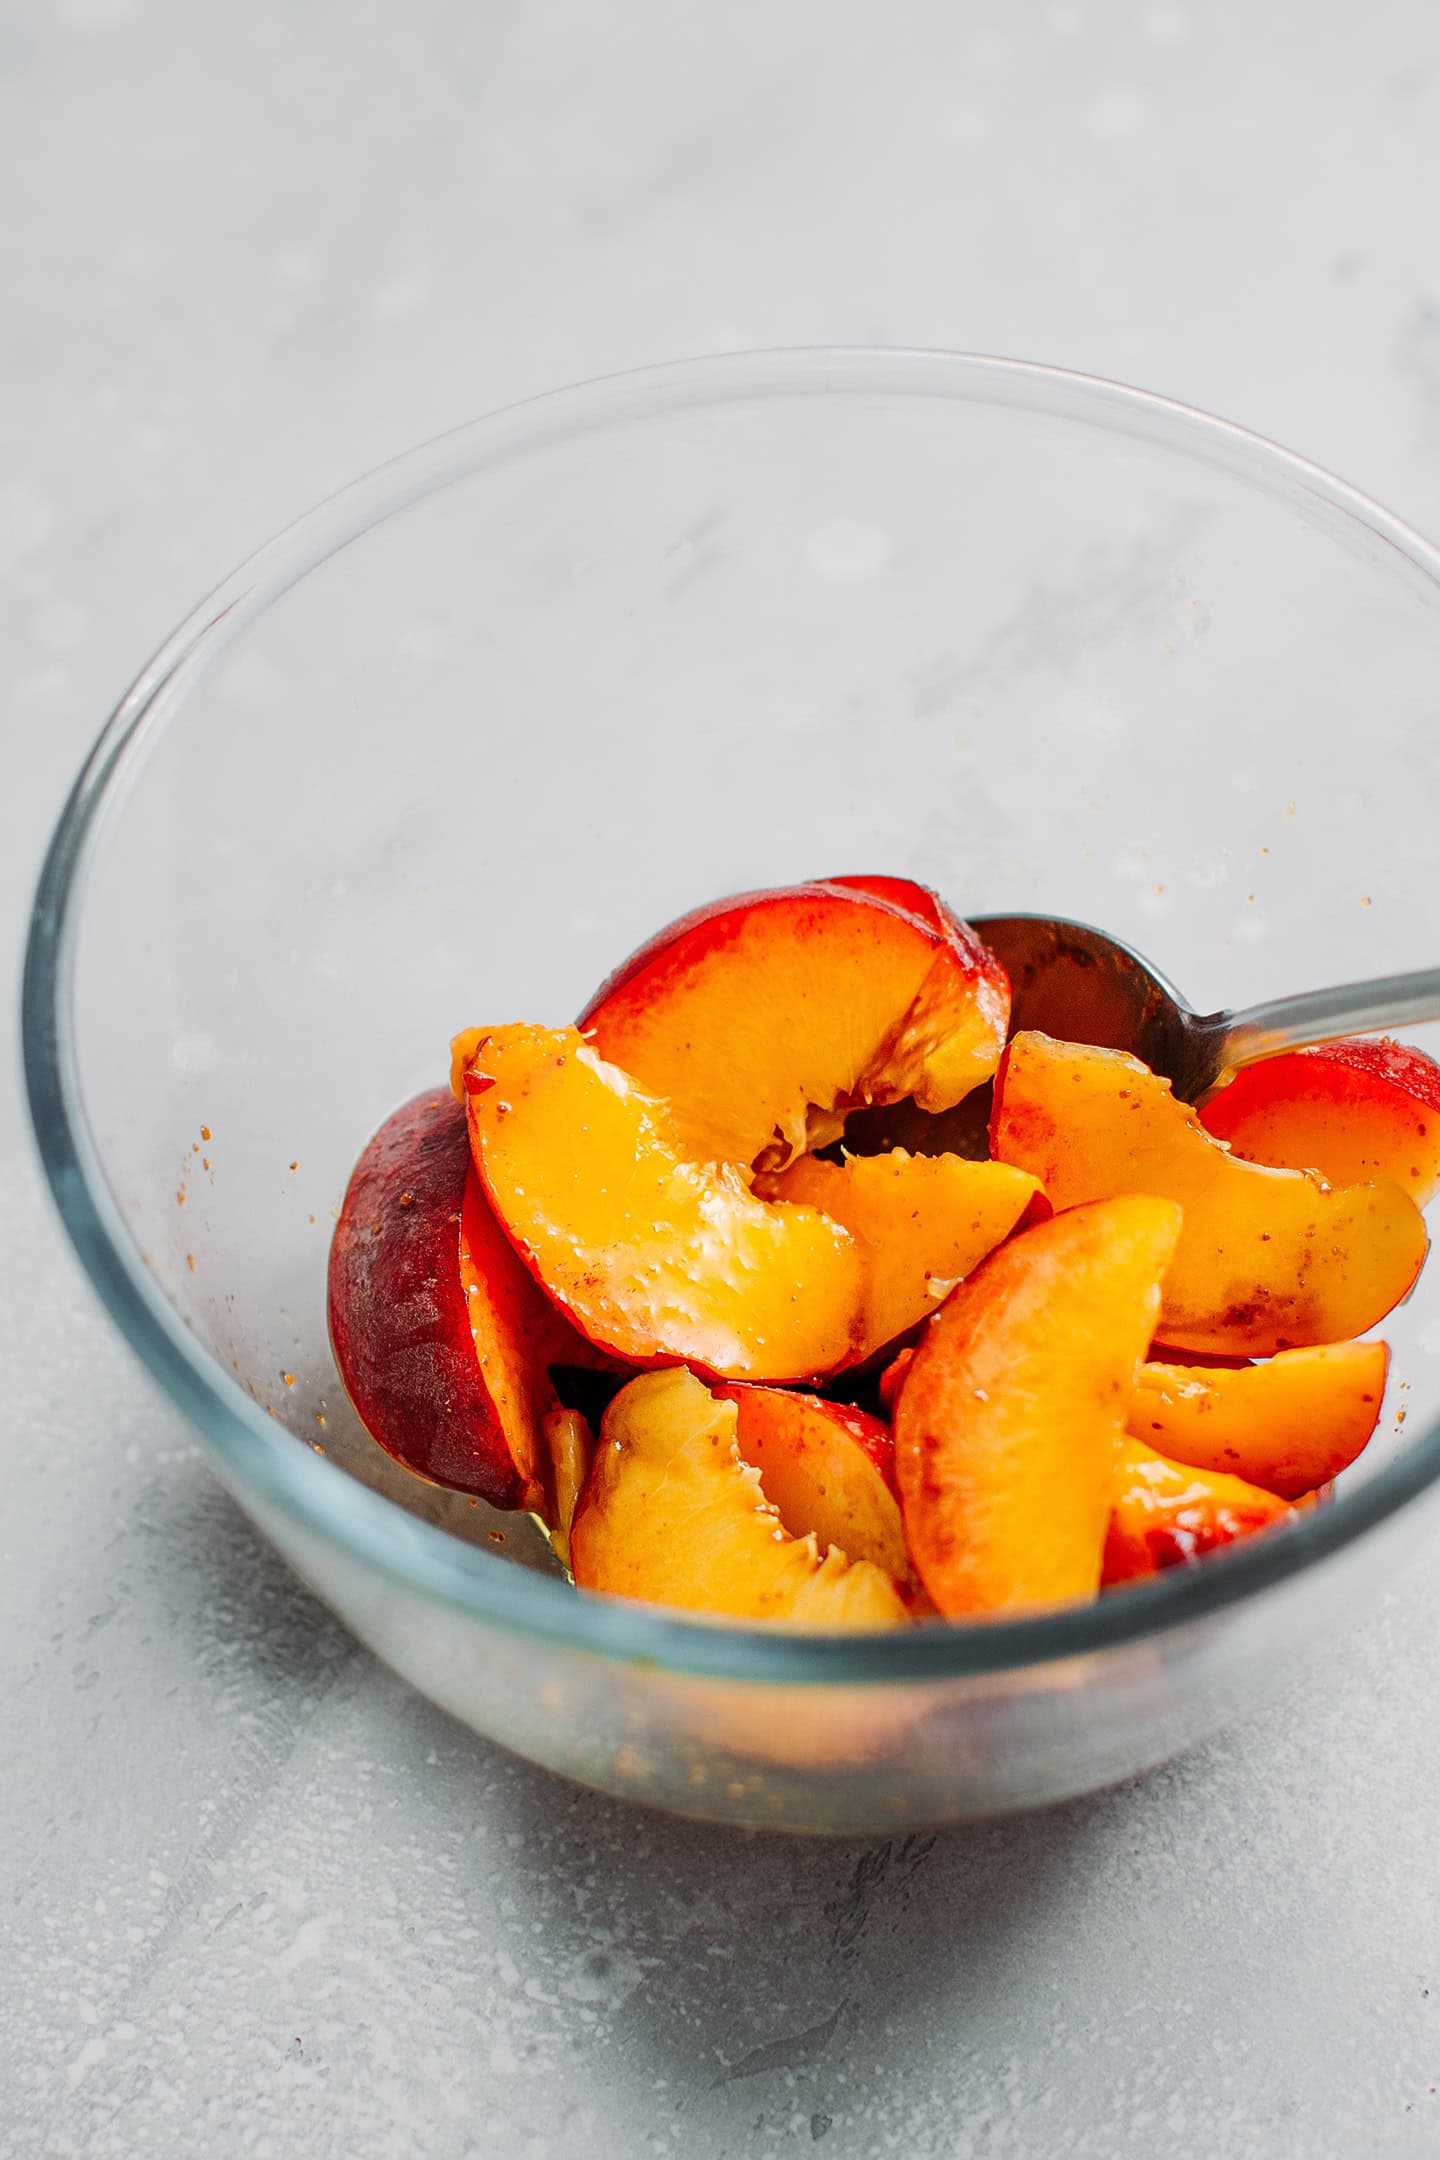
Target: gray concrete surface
{"type": "Point", "coordinates": [255, 1898]}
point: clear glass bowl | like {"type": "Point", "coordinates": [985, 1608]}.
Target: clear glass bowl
{"type": "Point", "coordinates": [457, 741]}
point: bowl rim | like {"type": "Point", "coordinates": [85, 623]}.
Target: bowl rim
{"type": "Point", "coordinates": [262, 1460]}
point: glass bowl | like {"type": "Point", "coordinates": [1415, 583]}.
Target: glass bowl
{"type": "Point", "coordinates": [457, 741]}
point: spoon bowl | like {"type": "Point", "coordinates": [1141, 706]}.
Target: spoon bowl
{"type": "Point", "coordinates": [1070, 980]}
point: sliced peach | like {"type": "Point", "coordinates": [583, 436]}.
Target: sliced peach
{"type": "Point", "coordinates": [1268, 1260]}
{"type": "Point", "coordinates": [1350, 1110]}
{"type": "Point", "coordinates": [500, 1295]}
{"type": "Point", "coordinates": [1165, 1513]}
{"type": "Point", "coordinates": [827, 1468]}
{"type": "Point", "coordinates": [921, 1222]}
{"type": "Point", "coordinates": [671, 1514]}
{"type": "Point", "coordinates": [913, 899]}
{"type": "Point", "coordinates": [441, 1337]}
{"type": "Point", "coordinates": [1290, 1425]}
{"type": "Point", "coordinates": [1010, 1415]}
{"type": "Point", "coordinates": [571, 1447]}
{"type": "Point", "coordinates": [764, 1018]}
{"type": "Point", "coordinates": [654, 1257]}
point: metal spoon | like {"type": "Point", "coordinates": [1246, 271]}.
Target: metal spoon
{"type": "Point", "coordinates": [1071, 980]}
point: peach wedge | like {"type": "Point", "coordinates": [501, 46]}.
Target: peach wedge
{"type": "Point", "coordinates": [827, 1469]}
{"type": "Point", "coordinates": [1290, 1425]}
{"type": "Point", "coordinates": [764, 1018]}
{"type": "Point", "coordinates": [656, 1258]}
{"type": "Point", "coordinates": [1268, 1259]}
{"type": "Point", "coordinates": [441, 1337]}
{"type": "Point", "coordinates": [1350, 1110]}
{"type": "Point", "coordinates": [922, 1222]}
{"type": "Point", "coordinates": [571, 1447]}
{"type": "Point", "coordinates": [1010, 1414]}
{"type": "Point", "coordinates": [671, 1514]}
{"type": "Point", "coordinates": [1166, 1513]}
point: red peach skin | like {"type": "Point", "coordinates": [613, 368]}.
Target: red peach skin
{"type": "Point", "coordinates": [446, 1370]}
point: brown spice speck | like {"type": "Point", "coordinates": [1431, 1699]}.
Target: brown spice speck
{"type": "Point", "coordinates": [294, 1165]}
{"type": "Point", "coordinates": [190, 1261]}
{"type": "Point", "coordinates": [205, 1132]}
{"type": "Point", "coordinates": [288, 1378]}
{"type": "Point", "coordinates": [180, 1197]}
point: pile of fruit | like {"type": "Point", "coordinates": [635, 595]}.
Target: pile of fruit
{"type": "Point", "coordinates": [854, 1390]}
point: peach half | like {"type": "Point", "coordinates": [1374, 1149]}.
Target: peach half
{"type": "Point", "coordinates": [1350, 1110]}
{"type": "Point", "coordinates": [1268, 1259]}
{"type": "Point", "coordinates": [655, 1257]}
{"type": "Point", "coordinates": [763, 1019]}
{"type": "Point", "coordinates": [670, 1513]}
{"type": "Point", "coordinates": [1011, 1411]}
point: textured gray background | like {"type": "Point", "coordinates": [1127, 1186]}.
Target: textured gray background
{"type": "Point", "coordinates": [255, 1898]}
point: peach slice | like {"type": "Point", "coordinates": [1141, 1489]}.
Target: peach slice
{"type": "Point", "coordinates": [913, 899]}
{"type": "Point", "coordinates": [1268, 1260]}
{"type": "Point", "coordinates": [921, 1222]}
{"type": "Point", "coordinates": [764, 1018]}
{"type": "Point", "coordinates": [1010, 1415]}
{"type": "Point", "coordinates": [671, 1514]}
{"type": "Point", "coordinates": [828, 1469]}
{"type": "Point", "coordinates": [1350, 1110]}
{"type": "Point", "coordinates": [441, 1337]}
{"type": "Point", "coordinates": [654, 1257]}
{"type": "Point", "coordinates": [1290, 1425]}
{"type": "Point", "coordinates": [1165, 1513]}
{"type": "Point", "coordinates": [571, 1447]}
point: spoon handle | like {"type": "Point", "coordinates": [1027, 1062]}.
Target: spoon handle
{"type": "Point", "coordinates": [1317, 1016]}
